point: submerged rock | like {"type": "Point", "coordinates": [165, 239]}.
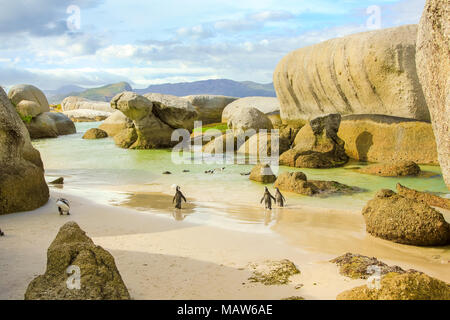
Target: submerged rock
{"type": "Point", "coordinates": [398, 169]}
{"type": "Point", "coordinates": [22, 183]}
{"type": "Point", "coordinates": [95, 133]}
{"type": "Point", "coordinates": [273, 272]}
{"type": "Point", "coordinates": [317, 145]}
{"type": "Point", "coordinates": [60, 180]}
{"type": "Point", "coordinates": [381, 138]}
{"type": "Point", "coordinates": [405, 286]}
{"type": "Point", "coordinates": [393, 217]}
{"type": "Point", "coordinates": [433, 68]}
{"type": "Point", "coordinates": [356, 266]}
{"type": "Point", "coordinates": [99, 277]}
{"type": "Point", "coordinates": [425, 197]}
{"type": "Point", "coordinates": [262, 173]}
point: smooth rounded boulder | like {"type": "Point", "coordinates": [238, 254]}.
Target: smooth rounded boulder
{"type": "Point", "coordinates": [22, 183]}
{"type": "Point", "coordinates": [62, 122]}
{"type": "Point", "coordinates": [28, 100]}
{"type": "Point", "coordinates": [209, 107]}
{"type": "Point", "coordinates": [268, 105]}
{"type": "Point", "coordinates": [75, 103]}
{"type": "Point", "coordinates": [115, 123]}
{"type": "Point", "coordinates": [246, 119]}
{"type": "Point", "coordinates": [95, 133]}
{"type": "Point", "coordinates": [366, 73]}
{"type": "Point", "coordinates": [433, 67]}
{"type": "Point", "coordinates": [393, 217]}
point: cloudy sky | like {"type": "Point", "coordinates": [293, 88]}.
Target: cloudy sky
{"type": "Point", "coordinates": [51, 43]}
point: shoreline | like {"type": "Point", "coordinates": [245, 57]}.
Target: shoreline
{"type": "Point", "coordinates": [160, 258]}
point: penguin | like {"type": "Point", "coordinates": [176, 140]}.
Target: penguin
{"type": "Point", "coordinates": [63, 206]}
{"type": "Point", "coordinates": [267, 197]}
{"type": "Point", "coordinates": [279, 199]}
{"type": "Point", "coordinates": [177, 198]}
{"type": "Point", "coordinates": [1, 233]}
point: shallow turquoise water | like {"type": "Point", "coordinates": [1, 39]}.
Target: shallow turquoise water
{"type": "Point", "coordinates": [91, 164]}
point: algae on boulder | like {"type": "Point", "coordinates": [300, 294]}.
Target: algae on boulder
{"type": "Point", "coordinates": [433, 68]}
{"type": "Point", "coordinates": [22, 183]}
{"type": "Point", "coordinates": [273, 272]}
{"type": "Point", "coordinates": [99, 277]}
{"type": "Point", "coordinates": [393, 217]}
{"type": "Point", "coordinates": [404, 286]}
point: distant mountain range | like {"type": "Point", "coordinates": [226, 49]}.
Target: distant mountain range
{"type": "Point", "coordinates": [216, 86]}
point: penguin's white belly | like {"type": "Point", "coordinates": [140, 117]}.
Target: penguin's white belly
{"type": "Point", "coordinates": [63, 206]}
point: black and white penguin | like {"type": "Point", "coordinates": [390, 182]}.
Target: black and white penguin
{"type": "Point", "coordinates": [267, 198]}
{"type": "Point", "coordinates": [1, 233]}
{"type": "Point", "coordinates": [178, 197]}
{"type": "Point", "coordinates": [279, 198]}
{"type": "Point", "coordinates": [63, 206]}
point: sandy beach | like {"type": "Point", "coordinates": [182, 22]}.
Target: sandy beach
{"type": "Point", "coordinates": [162, 258]}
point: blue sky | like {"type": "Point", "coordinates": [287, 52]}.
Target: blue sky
{"type": "Point", "coordinates": [148, 42]}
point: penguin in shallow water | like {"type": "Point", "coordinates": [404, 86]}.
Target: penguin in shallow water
{"type": "Point", "coordinates": [63, 206]}
{"type": "Point", "coordinates": [279, 199]}
{"type": "Point", "coordinates": [178, 197]}
{"type": "Point", "coordinates": [267, 197]}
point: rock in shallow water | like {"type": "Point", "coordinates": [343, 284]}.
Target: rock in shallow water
{"type": "Point", "coordinates": [99, 277]}
{"type": "Point", "coordinates": [95, 133]}
{"type": "Point", "coordinates": [262, 173]}
{"type": "Point", "coordinates": [393, 217]}
{"type": "Point", "coordinates": [425, 197]}
{"type": "Point", "coordinates": [398, 169]}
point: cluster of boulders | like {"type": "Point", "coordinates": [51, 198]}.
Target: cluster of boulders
{"type": "Point", "coordinates": [22, 183]}
{"type": "Point", "coordinates": [79, 109]}
{"type": "Point", "coordinates": [32, 106]}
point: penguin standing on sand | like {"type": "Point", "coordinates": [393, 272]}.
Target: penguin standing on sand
{"type": "Point", "coordinates": [279, 199]}
{"type": "Point", "coordinates": [178, 197]}
{"type": "Point", "coordinates": [1, 233]}
{"type": "Point", "coordinates": [63, 206]}
{"type": "Point", "coordinates": [267, 199]}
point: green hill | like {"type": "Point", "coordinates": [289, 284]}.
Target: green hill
{"type": "Point", "coordinates": [105, 93]}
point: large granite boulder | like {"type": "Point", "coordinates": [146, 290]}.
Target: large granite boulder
{"type": "Point", "coordinates": [22, 183]}
{"type": "Point", "coordinates": [50, 125]}
{"type": "Point", "coordinates": [249, 119]}
{"type": "Point", "coordinates": [115, 123]}
{"type": "Point", "coordinates": [209, 107]}
{"type": "Point", "coordinates": [380, 138]}
{"type": "Point", "coordinates": [148, 131]}
{"type": "Point", "coordinates": [28, 100]}
{"type": "Point", "coordinates": [403, 220]}
{"type": "Point", "coordinates": [297, 182]}
{"type": "Point", "coordinates": [425, 197]}
{"type": "Point", "coordinates": [87, 115]}
{"type": "Point", "coordinates": [433, 67]}
{"type": "Point", "coordinates": [401, 286]}
{"type": "Point", "coordinates": [70, 251]}
{"type": "Point", "coordinates": [75, 103]}
{"type": "Point", "coordinates": [396, 169]}
{"type": "Point", "coordinates": [267, 105]}
{"type": "Point", "coordinates": [173, 111]}
{"type": "Point", "coordinates": [62, 122]}
{"type": "Point", "coordinates": [317, 145]}
{"type": "Point", "coordinates": [261, 145]}
{"type": "Point", "coordinates": [366, 73]}
{"type": "Point", "coordinates": [262, 173]}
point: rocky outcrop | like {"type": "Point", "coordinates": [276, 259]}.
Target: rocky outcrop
{"type": "Point", "coordinates": [397, 169]}
{"type": "Point", "coordinates": [32, 106]}
{"type": "Point", "coordinates": [28, 100]}
{"type": "Point", "coordinates": [297, 182]}
{"type": "Point", "coordinates": [115, 123]}
{"type": "Point", "coordinates": [148, 130]}
{"type": "Point", "coordinates": [267, 105]}
{"type": "Point", "coordinates": [209, 107]}
{"type": "Point", "coordinates": [173, 111]}
{"type": "Point", "coordinates": [246, 119]}
{"type": "Point", "coordinates": [357, 266]}
{"type": "Point", "coordinates": [262, 173]}
{"type": "Point", "coordinates": [95, 133]}
{"type": "Point", "coordinates": [425, 197]}
{"type": "Point", "coordinates": [433, 67]}
{"type": "Point", "coordinates": [396, 218]}
{"type": "Point", "coordinates": [71, 251]}
{"type": "Point", "coordinates": [317, 145]}
{"type": "Point", "coordinates": [401, 286]}
{"type": "Point", "coordinates": [261, 145]}
{"type": "Point", "coordinates": [87, 115]}
{"type": "Point", "coordinates": [75, 103]}
{"type": "Point", "coordinates": [22, 183]}
{"type": "Point", "coordinates": [366, 73]}
{"type": "Point", "coordinates": [380, 138]}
